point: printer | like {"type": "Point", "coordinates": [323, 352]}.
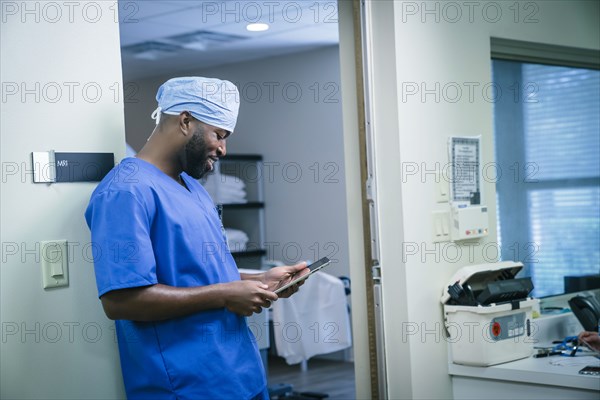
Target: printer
{"type": "Point", "coordinates": [488, 314]}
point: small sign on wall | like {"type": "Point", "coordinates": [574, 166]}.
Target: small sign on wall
{"type": "Point", "coordinates": [53, 167]}
{"type": "Point", "coordinates": [465, 160]}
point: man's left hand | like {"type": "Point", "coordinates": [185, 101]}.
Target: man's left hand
{"type": "Point", "coordinates": [280, 276]}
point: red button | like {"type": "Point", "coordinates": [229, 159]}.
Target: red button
{"type": "Point", "coordinates": [496, 329]}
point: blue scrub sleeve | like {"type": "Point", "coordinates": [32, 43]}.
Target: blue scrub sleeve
{"type": "Point", "coordinates": [121, 246]}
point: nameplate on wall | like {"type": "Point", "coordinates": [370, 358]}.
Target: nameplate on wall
{"type": "Point", "coordinates": [55, 167]}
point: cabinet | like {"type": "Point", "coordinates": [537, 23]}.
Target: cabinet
{"type": "Point", "coordinates": [246, 214]}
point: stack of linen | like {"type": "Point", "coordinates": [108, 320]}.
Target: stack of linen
{"type": "Point", "coordinates": [225, 189]}
{"type": "Point", "coordinates": [236, 239]}
{"type": "Point", "coordinates": [231, 190]}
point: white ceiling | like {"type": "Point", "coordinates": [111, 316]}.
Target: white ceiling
{"type": "Point", "coordinates": [294, 26]}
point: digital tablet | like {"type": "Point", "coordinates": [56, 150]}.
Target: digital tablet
{"type": "Point", "coordinates": [314, 267]}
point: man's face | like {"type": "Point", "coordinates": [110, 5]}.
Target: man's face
{"type": "Point", "coordinates": [205, 147]}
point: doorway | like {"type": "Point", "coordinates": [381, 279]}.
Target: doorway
{"type": "Point", "coordinates": [290, 115]}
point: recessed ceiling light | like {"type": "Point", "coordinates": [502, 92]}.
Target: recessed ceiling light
{"type": "Point", "coordinates": [257, 27]}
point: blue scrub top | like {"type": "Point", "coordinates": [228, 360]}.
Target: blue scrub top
{"type": "Point", "coordinates": [147, 229]}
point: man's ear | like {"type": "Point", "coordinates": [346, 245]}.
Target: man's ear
{"type": "Point", "coordinates": [185, 125]}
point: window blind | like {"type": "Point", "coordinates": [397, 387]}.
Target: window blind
{"type": "Point", "coordinates": [558, 227]}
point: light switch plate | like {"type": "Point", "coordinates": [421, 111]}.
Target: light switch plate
{"type": "Point", "coordinates": [440, 226]}
{"type": "Point", "coordinates": [442, 187]}
{"type": "Point", "coordinates": [55, 263]}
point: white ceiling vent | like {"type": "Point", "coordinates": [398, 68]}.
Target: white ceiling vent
{"type": "Point", "coordinates": [151, 50]}
{"type": "Point", "coordinates": [202, 40]}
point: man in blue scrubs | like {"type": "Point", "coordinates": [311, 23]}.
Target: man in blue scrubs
{"type": "Point", "coordinates": [163, 268]}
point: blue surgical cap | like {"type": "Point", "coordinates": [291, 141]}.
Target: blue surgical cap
{"type": "Point", "coordinates": [212, 101]}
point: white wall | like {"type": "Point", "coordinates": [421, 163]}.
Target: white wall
{"type": "Point", "coordinates": [56, 344]}
{"type": "Point", "coordinates": [299, 134]}
{"type": "Point", "coordinates": [412, 47]}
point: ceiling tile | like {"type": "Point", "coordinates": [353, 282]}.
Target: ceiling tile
{"type": "Point", "coordinates": [135, 10]}
{"type": "Point", "coordinates": [146, 30]}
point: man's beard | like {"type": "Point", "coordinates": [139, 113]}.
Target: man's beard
{"type": "Point", "coordinates": [195, 156]}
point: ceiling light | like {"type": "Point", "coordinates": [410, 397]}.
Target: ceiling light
{"type": "Point", "coordinates": [257, 27]}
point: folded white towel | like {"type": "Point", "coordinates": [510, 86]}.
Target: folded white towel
{"type": "Point", "coordinates": [226, 199]}
{"type": "Point", "coordinates": [236, 239]}
{"type": "Point", "coordinates": [230, 181]}
{"type": "Point", "coordinates": [225, 189]}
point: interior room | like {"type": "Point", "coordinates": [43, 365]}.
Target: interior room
{"type": "Point", "coordinates": [443, 156]}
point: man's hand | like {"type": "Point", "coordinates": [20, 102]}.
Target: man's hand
{"type": "Point", "coordinates": [248, 296]}
{"type": "Point", "coordinates": [279, 276]}
{"type": "Point", "coordinates": [591, 339]}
